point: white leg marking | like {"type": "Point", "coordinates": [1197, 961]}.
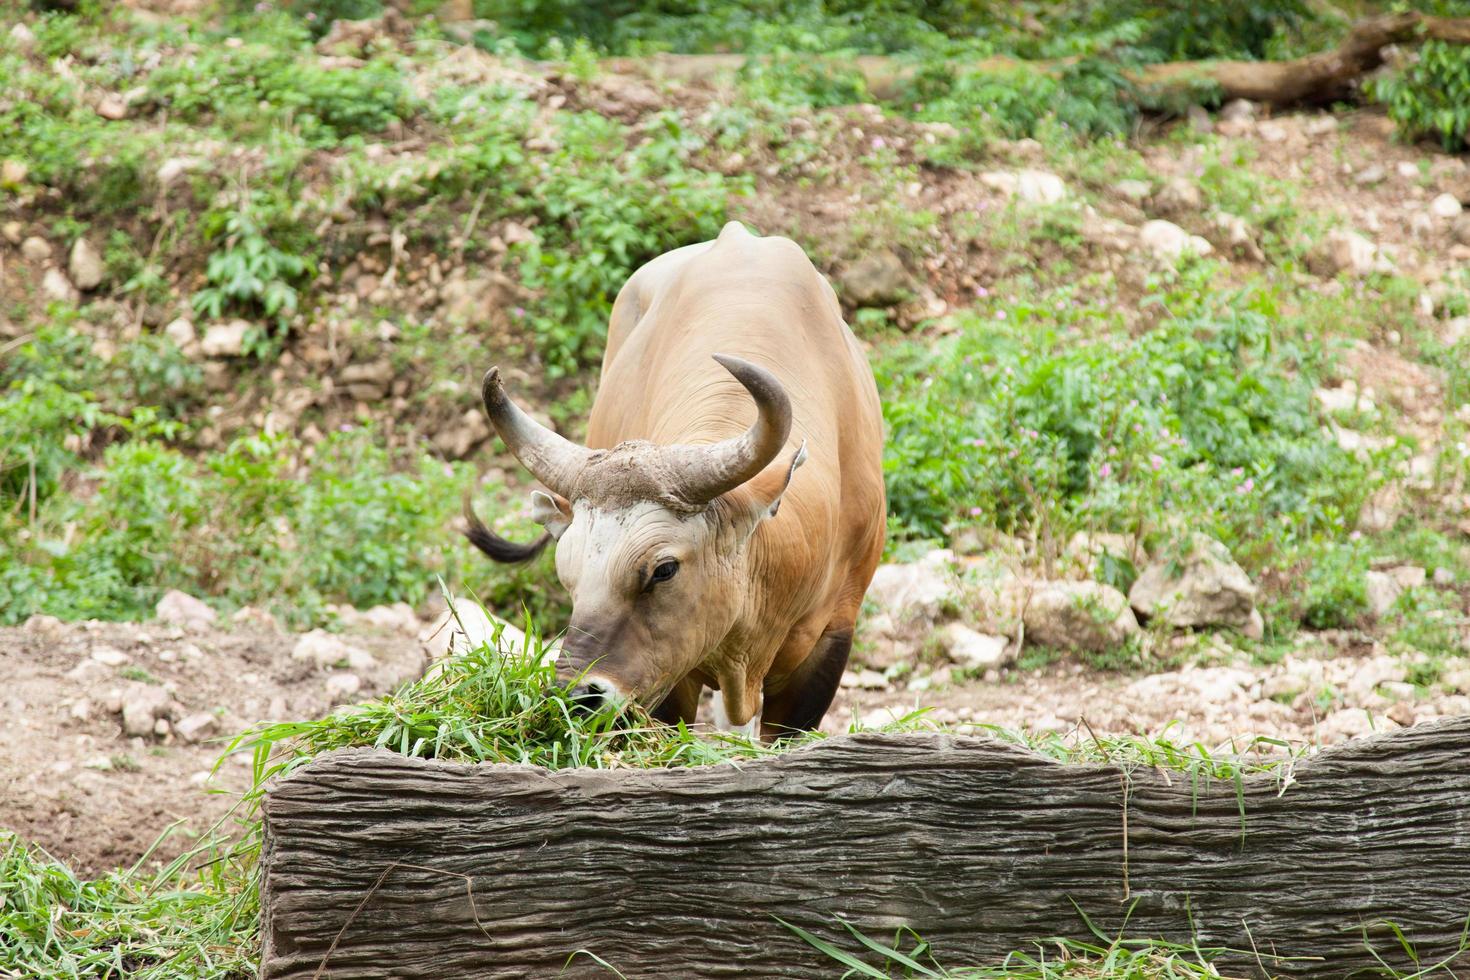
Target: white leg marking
{"type": "Point", "coordinates": [751, 729]}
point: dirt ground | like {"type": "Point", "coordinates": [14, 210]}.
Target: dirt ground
{"type": "Point", "coordinates": [71, 778]}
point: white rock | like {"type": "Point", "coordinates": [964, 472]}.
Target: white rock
{"type": "Point", "coordinates": [1237, 110]}
{"type": "Point", "coordinates": [40, 624]}
{"type": "Point", "coordinates": [1348, 398]}
{"type": "Point", "coordinates": [1272, 132]}
{"type": "Point", "coordinates": [1349, 723]}
{"type": "Point", "coordinates": [225, 339]}
{"type": "Point", "coordinates": [22, 36]}
{"type": "Point", "coordinates": [1320, 125]}
{"type": "Point", "coordinates": [175, 167]}
{"type": "Point", "coordinates": [109, 656]}
{"type": "Point", "coordinates": [975, 650]}
{"type": "Point", "coordinates": [112, 106]}
{"type": "Point", "coordinates": [1371, 174]}
{"type": "Point", "coordinates": [1382, 592]}
{"type": "Point", "coordinates": [343, 686]}
{"type": "Point", "coordinates": [55, 286]}
{"type": "Point", "coordinates": [869, 680]}
{"type": "Point", "coordinates": [181, 331]}
{"type": "Point", "coordinates": [85, 265]}
{"type": "Point", "coordinates": [195, 727]}
{"type": "Point", "coordinates": [1079, 616]}
{"type": "Point", "coordinates": [1407, 170]}
{"type": "Point", "coordinates": [1455, 330]}
{"type": "Point", "coordinates": [1238, 235]}
{"type": "Point", "coordinates": [143, 706]}
{"type": "Point", "coordinates": [1210, 589]}
{"type": "Point", "coordinates": [398, 617]}
{"type": "Point", "coordinates": [1133, 190]}
{"type": "Point", "coordinates": [35, 249]}
{"type": "Point", "coordinates": [325, 649]}
{"type": "Point", "coordinates": [1445, 206]}
{"type": "Point", "coordinates": [916, 592]}
{"type": "Point", "coordinates": [184, 610]}
{"type": "Point", "coordinates": [1032, 186]}
{"type": "Point", "coordinates": [1178, 196]}
{"type": "Point", "coordinates": [1167, 241]}
{"type": "Point", "coordinates": [81, 709]}
{"type": "Point", "coordinates": [1385, 587]}
{"type": "Point", "coordinates": [1343, 251]}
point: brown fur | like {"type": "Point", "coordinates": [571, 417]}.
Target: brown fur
{"type": "Point", "coordinates": [759, 299]}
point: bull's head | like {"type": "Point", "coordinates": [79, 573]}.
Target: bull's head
{"type": "Point", "coordinates": [652, 540]}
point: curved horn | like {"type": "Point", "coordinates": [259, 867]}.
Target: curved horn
{"type": "Point", "coordinates": [550, 458]}
{"type": "Point", "coordinates": [710, 471]}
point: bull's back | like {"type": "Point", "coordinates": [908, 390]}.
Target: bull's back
{"type": "Point", "coordinates": [760, 299]}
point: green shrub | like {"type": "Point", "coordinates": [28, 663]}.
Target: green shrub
{"type": "Point", "coordinates": [251, 273]}
{"type": "Point", "coordinates": [1090, 97]}
{"type": "Point", "coordinates": [1205, 422]}
{"type": "Point", "coordinates": [1334, 585]}
{"type": "Point", "coordinates": [1430, 96]}
{"type": "Point", "coordinates": [277, 81]}
{"type": "Point", "coordinates": [248, 525]}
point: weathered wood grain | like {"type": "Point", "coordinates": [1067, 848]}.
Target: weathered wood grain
{"type": "Point", "coordinates": [377, 865]}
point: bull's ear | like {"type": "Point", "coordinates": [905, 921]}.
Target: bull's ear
{"type": "Point", "coordinates": [765, 491]}
{"type": "Point", "coordinates": [551, 511]}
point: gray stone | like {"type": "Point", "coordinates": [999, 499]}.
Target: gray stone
{"type": "Point", "coordinates": [1238, 110]}
{"type": "Point", "coordinates": [325, 649]}
{"type": "Point", "coordinates": [143, 706]}
{"type": "Point", "coordinates": [109, 656]}
{"type": "Point", "coordinates": [975, 650]}
{"type": "Point", "coordinates": [55, 286]}
{"type": "Point", "coordinates": [225, 339]}
{"type": "Point", "coordinates": [181, 332]}
{"type": "Point", "coordinates": [1385, 587]}
{"type": "Point", "coordinates": [877, 279]}
{"type": "Point", "coordinates": [1460, 229]}
{"type": "Point", "coordinates": [1079, 616]}
{"type": "Point", "coordinates": [1133, 190]}
{"type": "Point", "coordinates": [85, 265]}
{"type": "Point", "coordinates": [183, 609]}
{"type": "Point", "coordinates": [1445, 206]}
{"type": "Point", "coordinates": [1179, 196]}
{"type": "Point", "coordinates": [915, 593]}
{"type": "Point", "coordinates": [340, 687]}
{"type": "Point", "coordinates": [35, 249]}
{"type": "Point", "coordinates": [1209, 589]}
{"type": "Point", "coordinates": [1031, 186]}
{"type": "Point", "coordinates": [196, 727]}
{"type": "Point", "coordinates": [1341, 251]}
{"type": "Point", "coordinates": [1168, 242]}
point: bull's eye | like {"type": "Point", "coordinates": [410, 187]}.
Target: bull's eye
{"type": "Point", "coordinates": [663, 571]}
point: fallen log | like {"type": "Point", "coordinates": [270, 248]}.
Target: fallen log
{"type": "Point", "coordinates": [377, 865]}
{"type": "Point", "coordinates": [1318, 78]}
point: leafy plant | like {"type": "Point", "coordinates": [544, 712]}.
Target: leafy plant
{"type": "Point", "coordinates": [250, 274]}
{"type": "Point", "coordinates": [1430, 95]}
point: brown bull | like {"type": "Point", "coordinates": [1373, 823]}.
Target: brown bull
{"type": "Point", "coordinates": [696, 554]}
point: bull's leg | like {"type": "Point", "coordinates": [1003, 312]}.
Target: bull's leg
{"type": "Point", "coordinates": [682, 703]}
{"type": "Point", "coordinates": [722, 721]}
{"type": "Point", "coordinates": [804, 696]}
